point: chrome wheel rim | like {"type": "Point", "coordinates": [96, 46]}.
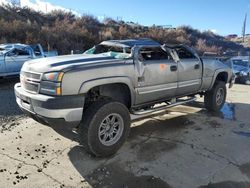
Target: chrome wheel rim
{"type": "Point", "coordinates": [111, 129]}
{"type": "Point", "coordinates": [220, 96]}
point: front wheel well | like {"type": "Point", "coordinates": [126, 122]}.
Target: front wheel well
{"type": "Point", "coordinates": [117, 91]}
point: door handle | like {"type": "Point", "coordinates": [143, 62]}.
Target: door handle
{"type": "Point", "coordinates": [173, 68]}
{"type": "Point", "coordinates": [196, 66]}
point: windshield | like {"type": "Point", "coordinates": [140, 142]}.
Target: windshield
{"type": "Point", "coordinates": [240, 62]}
{"type": "Point", "coordinates": [117, 52]}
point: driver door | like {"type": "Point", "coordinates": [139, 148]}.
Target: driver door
{"type": "Point", "coordinates": [157, 75]}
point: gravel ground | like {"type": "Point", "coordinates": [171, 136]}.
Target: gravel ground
{"type": "Point", "coordinates": [9, 111]}
{"type": "Point", "coordinates": [182, 147]}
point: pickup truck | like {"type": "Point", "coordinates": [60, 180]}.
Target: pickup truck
{"type": "Point", "coordinates": [13, 56]}
{"type": "Point", "coordinates": [99, 90]}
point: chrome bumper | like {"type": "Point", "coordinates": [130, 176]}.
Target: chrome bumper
{"type": "Point", "coordinates": [68, 108]}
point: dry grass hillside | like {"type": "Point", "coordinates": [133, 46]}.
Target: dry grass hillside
{"type": "Point", "coordinates": [64, 32]}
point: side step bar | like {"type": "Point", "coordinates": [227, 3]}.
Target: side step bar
{"type": "Point", "coordinates": [149, 111]}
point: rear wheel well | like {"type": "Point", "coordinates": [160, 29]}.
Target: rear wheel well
{"type": "Point", "coordinates": [222, 76]}
{"type": "Point", "coordinates": [118, 91]}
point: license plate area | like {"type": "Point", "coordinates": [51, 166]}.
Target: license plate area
{"type": "Point", "coordinates": [25, 102]}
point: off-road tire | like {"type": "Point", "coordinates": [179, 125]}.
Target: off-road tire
{"type": "Point", "coordinates": [210, 97]}
{"type": "Point", "coordinates": [93, 116]}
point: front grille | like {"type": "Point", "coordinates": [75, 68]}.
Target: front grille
{"type": "Point", "coordinates": [30, 81]}
{"type": "Point", "coordinates": [30, 87]}
{"type": "Point", "coordinates": [32, 76]}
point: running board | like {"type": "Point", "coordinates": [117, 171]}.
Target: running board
{"type": "Point", "coordinates": [180, 102]}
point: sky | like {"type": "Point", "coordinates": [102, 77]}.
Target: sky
{"type": "Point", "coordinates": [221, 16]}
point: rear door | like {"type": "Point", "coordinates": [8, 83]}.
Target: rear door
{"type": "Point", "coordinates": [157, 78]}
{"type": "Point", "coordinates": [189, 71]}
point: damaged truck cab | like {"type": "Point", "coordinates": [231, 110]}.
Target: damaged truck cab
{"type": "Point", "coordinates": [98, 91]}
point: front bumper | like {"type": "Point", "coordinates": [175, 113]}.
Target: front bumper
{"type": "Point", "coordinates": [48, 109]}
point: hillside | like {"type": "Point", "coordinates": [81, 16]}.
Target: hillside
{"type": "Point", "coordinates": [239, 41]}
{"type": "Point", "coordinates": [64, 32]}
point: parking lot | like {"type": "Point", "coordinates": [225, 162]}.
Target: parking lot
{"type": "Point", "coordinates": [182, 147]}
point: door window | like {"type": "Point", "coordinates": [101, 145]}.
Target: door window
{"type": "Point", "coordinates": [154, 54]}
{"type": "Point", "coordinates": [184, 53]}
{"type": "Point", "coordinates": [19, 52]}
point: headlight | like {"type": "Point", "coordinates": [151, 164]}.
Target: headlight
{"type": "Point", "coordinates": [53, 76]}
{"type": "Point", "coordinates": [51, 83]}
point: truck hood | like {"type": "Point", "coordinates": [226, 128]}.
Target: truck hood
{"type": "Point", "coordinates": [238, 68]}
{"type": "Point", "coordinates": [66, 62]}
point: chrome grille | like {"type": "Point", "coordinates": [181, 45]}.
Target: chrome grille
{"type": "Point", "coordinates": [30, 81]}
{"type": "Point", "coordinates": [32, 76]}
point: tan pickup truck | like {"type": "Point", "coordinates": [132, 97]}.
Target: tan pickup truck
{"type": "Point", "coordinates": [98, 91]}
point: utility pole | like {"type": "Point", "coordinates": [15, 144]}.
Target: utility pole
{"type": "Point", "coordinates": [244, 28]}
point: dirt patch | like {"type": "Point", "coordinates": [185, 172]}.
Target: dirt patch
{"type": "Point", "coordinates": [227, 184]}
{"type": "Point", "coordinates": [161, 126]}
{"type": "Point", "coordinates": [9, 111]}
{"type": "Point", "coordinates": [214, 123]}
{"type": "Point", "coordinates": [245, 169]}
{"type": "Point", "coordinates": [150, 151]}
{"type": "Point", "coordinates": [114, 175]}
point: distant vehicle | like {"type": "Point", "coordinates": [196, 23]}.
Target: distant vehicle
{"type": "Point", "coordinates": [13, 56]}
{"type": "Point", "coordinates": [241, 69]}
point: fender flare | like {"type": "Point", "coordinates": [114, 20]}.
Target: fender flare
{"type": "Point", "coordinates": [216, 73]}
{"type": "Point", "coordinates": [88, 85]}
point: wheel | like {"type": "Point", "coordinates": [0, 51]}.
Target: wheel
{"type": "Point", "coordinates": [215, 98]}
{"type": "Point", "coordinates": [104, 128]}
